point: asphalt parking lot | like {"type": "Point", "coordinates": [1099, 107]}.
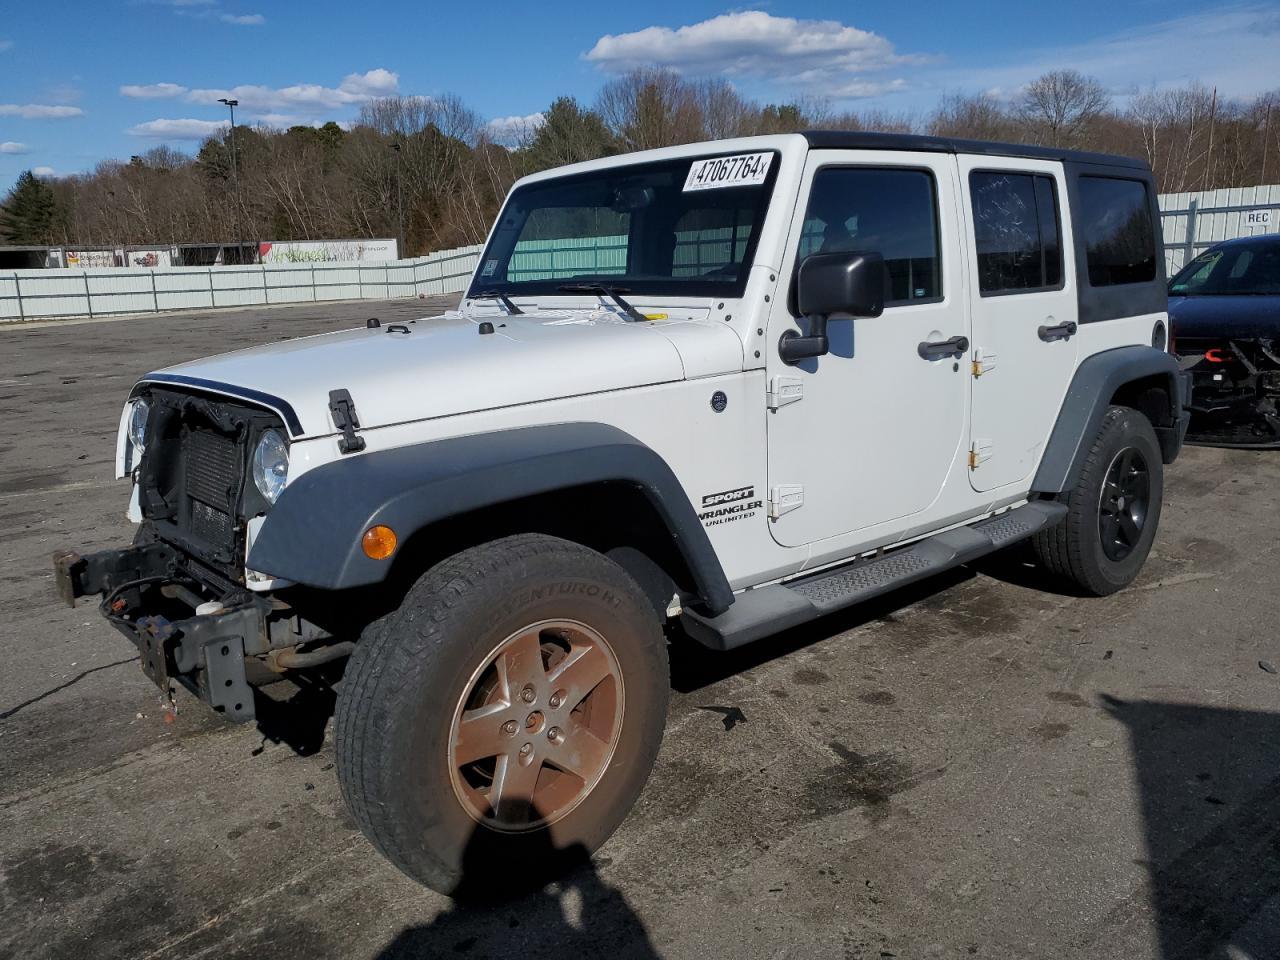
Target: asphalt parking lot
{"type": "Point", "coordinates": [974, 768]}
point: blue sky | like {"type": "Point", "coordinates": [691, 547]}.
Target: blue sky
{"type": "Point", "coordinates": [80, 83]}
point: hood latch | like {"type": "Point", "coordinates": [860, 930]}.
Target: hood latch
{"type": "Point", "coordinates": [343, 410]}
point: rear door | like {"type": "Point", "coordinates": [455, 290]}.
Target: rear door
{"type": "Point", "coordinates": [867, 434]}
{"type": "Point", "coordinates": [1022, 293]}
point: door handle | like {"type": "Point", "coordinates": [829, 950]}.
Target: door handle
{"type": "Point", "coordinates": [956, 346]}
{"type": "Point", "coordinates": [1059, 331]}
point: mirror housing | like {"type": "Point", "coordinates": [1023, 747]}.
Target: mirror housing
{"type": "Point", "coordinates": [827, 283]}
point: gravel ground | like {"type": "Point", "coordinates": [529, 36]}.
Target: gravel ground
{"type": "Point", "coordinates": [977, 767]}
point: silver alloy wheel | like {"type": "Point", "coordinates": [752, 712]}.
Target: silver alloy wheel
{"type": "Point", "coordinates": [536, 726]}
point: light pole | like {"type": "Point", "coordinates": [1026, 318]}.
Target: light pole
{"type": "Point", "coordinates": [399, 205]}
{"type": "Point", "coordinates": [235, 174]}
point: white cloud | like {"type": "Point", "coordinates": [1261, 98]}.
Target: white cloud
{"type": "Point", "coordinates": [13, 147]}
{"type": "Point", "coordinates": [355, 88]}
{"type": "Point", "coordinates": [863, 89]}
{"type": "Point", "coordinates": [39, 111]}
{"type": "Point", "coordinates": [373, 83]}
{"type": "Point", "coordinates": [152, 91]}
{"type": "Point", "coordinates": [243, 20]}
{"type": "Point", "coordinates": [1231, 48]}
{"type": "Point", "coordinates": [817, 54]}
{"type": "Point", "coordinates": [42, 171]}
{"type": "Point", "coordinates": [511, 130]}
{"type": "Point", "coordinates": [185, 129]}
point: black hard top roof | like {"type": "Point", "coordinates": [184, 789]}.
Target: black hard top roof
{"type": "Point", "coordinates": [862, 140]}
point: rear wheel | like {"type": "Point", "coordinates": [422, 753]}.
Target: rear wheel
{"type": "Point", "coordinates": [1113, 511]}
{"type": "Point", "coordinates": [505, 718]}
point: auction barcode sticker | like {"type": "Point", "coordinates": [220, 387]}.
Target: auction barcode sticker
{"type": "Point", "coordinates": [744, 170]}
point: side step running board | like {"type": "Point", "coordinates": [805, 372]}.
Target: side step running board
{"type": "Point", "coordinates": [765, 610]}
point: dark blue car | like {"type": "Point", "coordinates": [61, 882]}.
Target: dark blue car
{"type": "Point", "coordinates": [1225, 311]}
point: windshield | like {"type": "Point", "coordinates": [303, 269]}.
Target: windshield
{"type": "Point", "coordinates": [1239, 269]}
{"type": "Point", "coordinates": [684, 227]}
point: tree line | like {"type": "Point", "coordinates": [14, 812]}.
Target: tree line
{"type": "Point", "coordinates": [431, 170]}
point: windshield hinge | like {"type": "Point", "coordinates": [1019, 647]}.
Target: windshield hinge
{"type": "Point", "coordinates": [343, 410]}
{"type": "Point", "coordinates": [784, 390]}
{"type": "Point", "coordinates": [785, 497]}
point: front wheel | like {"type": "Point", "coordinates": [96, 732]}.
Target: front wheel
{"type": "Point", "coordinates": [505, 718]}
{"type": "Point", "coordinates": [1113, 510]}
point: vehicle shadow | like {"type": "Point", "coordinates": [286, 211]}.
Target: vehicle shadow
{"type": "Point", "coordinates": [579, 915]}
{"type": "Point", "coordinates": [1209, 788]}
{"type": "Point", "coordinates": [1017, 566]}
{"type": "Point", "coordinates": [694, 666]}
{"type": "Point", "coordinates": [296, 712]}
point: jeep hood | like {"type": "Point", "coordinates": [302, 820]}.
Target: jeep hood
{"type": "Point", "coordinates": [444, 366]}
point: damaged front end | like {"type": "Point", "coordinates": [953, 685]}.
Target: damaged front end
{"type": "Point", "coordinates": [1235, 396]}
{"type": "Point", "coordinates": [193, 628]}
{"type": "Point", "coordinates": [181, 593]}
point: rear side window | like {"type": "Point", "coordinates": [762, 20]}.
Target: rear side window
{"type": "Point", "coordinates": [1017, 231]}
{"type": "Point", "coordinates": [888, 211]}
{"type": "Point", "coordinates": [1115, 220]}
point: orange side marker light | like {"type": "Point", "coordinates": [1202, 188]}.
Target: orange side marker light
{"type": "Point", "coordinates": [378, 542]}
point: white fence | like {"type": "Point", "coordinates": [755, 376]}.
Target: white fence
{"type": "Point", "coordinates": [1195, 221]}
{"type": "Point", "coordinates": [41, 294]}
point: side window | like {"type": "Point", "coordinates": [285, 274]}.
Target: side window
{"type": "Point", "coordinates": [1017, 231]}
{"type": "Point", "coordinates": [1115, 220]}
{"type": "Point", "coordinates": [558, 242]}
{"type": "Point", "coordinates": [893, 212]}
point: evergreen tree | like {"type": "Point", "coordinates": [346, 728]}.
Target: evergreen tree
{"type": "Point", "coordinates": [29, 214]}
{"type": "Point", "coordinates": [569, 134]}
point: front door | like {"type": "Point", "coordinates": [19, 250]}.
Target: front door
{"type": "Point", "coordinates": [1023, 293]}
{"type": "Point", "coordinates": [867, 435]}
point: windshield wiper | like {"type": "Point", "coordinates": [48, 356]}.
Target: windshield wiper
{"type": "Point", "coordinates": [613, 293]}
{"type": "Point", "coordinates": [498, 295]}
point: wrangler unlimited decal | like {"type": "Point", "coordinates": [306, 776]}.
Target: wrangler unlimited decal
{"type": "Point", "coordinates": [729, 505]}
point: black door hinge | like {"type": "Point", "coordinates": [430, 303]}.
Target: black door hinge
{"type": "Point", "coordinates": [343, 409]}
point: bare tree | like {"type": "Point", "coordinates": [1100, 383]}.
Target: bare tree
{"type": "Point", "coordinates": [1174, 125]}
{"type": "Point", "coordinates": [1059, 107]}
{"type": "Point", "coordinates": [977, 116]}
{"type": "Point", "coordinates": [651, 108]}
{"type": "Point", "coordinates": [723, 110]}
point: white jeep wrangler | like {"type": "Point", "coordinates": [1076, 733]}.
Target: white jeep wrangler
{"type": "Point", "coordinates": [722, 388]}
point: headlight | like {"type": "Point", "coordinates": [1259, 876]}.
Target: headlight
{"type": "Point", "coordinates": [138, 428]}
{"type": "Point", "coordinates": [270, 465]}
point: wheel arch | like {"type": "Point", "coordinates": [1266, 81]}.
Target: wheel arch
{"type": "Point", "coordinates": [586, 482]}
{"type": "Point", "coordinates": [1141, 377]}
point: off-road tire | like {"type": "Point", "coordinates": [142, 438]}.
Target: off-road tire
{"type": "Point", "coordinates": [1073, 549]}
{"type": "Point", "coordinates": [397, 698]}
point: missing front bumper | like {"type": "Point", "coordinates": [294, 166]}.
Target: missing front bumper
{"type": "Point", "coordinates": [148, 599]}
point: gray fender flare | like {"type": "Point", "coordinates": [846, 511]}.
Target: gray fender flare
{"type": "Point", "coordinates": [1095, 382]}
{"type": "Point", "coordinates": [312, 533]}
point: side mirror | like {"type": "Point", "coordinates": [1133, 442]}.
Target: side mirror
{"type": "Point", "coordinates": [828, 283]}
